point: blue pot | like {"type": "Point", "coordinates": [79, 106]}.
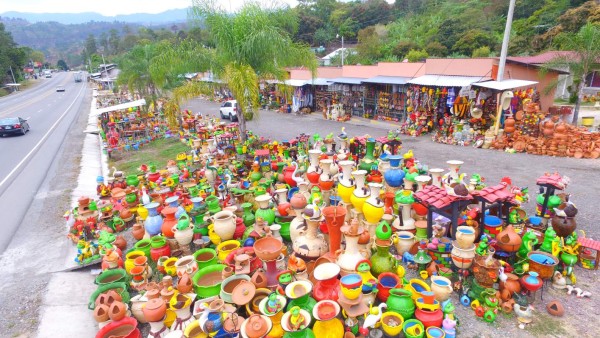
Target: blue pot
{"type": "Point", "coordinates": [154, 221]}
{"type": "Point", "coordinates": [394, 176]}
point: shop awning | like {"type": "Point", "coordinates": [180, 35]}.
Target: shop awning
{"type": "Point", "coordinates": [447, 80]}
{"type": "Point", "coordinates": [121, 106]}
{"type": "Point", "coordinates": [397, 80]}
{"type": "Point", "coordinates": [320, 82]}
{"type": "Point", "coordinates": [505, 84]}
{"type": "Point", "coordinates": [296, 83]}
{"type": "Point", "coordinates": [347, 80]}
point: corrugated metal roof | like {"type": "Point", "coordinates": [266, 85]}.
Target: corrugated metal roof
{"type": "Point", "coordinates": [399, 80]}
{"type": "Point", "coordinates": [347, 80]}
{"type": "Point", "coordinates": [505, 84]}
{"type": "Point", "coordinates": [447, 80]}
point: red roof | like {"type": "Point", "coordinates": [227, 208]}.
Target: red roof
{"type": "Point", "coordinates": [589, 243]}
{"type": "Point", "coordinates": [437, 197]}
{"type": "Point", "coordinates": [497, 193]}
{"type": "Point", "coordinates": [543, 58]}
{"type": "Point", "coordinates": [554, 180]}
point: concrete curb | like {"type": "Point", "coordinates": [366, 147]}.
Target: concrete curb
{"type": "Point", "coordinates": [64, 311]}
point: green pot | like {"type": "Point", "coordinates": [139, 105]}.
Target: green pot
{"type": "Point", "coordinates": [266, 214]}
{"type": "Point", "coordinates": [205, 257]}
{"type": "Point", "coordinates": [157, 242]}
{"type": "Point", "coordinates": [145, 246]}
{"type": "Point", "coordinates": [285, 231]}
{"type": "Point", "coordinates": [208, 273]}
{"type": "Point", "coordinates": [306, 333]}
{"type": "Point", "coordinates": [407, 329]}
{"type": "Point", "coordinates": [132, 180]}
{"type": "Point", "coordinates": [112, 276]}
{"type": "Point", "coordinates": [400, 301]}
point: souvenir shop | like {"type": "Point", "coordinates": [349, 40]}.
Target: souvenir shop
{"type": "Point", "coordinates": [346, 99]}
{"type": "Point", "coordinates": [385, 98]}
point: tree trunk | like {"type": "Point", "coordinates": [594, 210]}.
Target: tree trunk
{"type": "Point", "coordinates": [242, 123]}
{"type": "Point", "coordinates": [578, 102]}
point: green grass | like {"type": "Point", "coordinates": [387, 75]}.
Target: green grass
{"type": "Point", "coordinates": [157, 152]}
{"type": "Point", "coordinates": [546, 326]}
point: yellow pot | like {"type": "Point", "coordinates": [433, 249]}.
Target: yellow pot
{"type": "Point", "coordinates": [351, 293]}
{"type": "Point", "coordinates": [130, 257]}
{"type": "Point", "coordinates": [170, 317]}
{"type": "Point", "coordinates": [225, 248]}
{"type": "Point", "coordinates": [416, 286]}
{"type": "Point", "coordinates": [142, 212]}
{"type": "Point", "coordinates": [358, 202]}
{"type": "Point", "coordinates": [372, 213]}
{"type": "Point", "coordinates": [392, 331]}
{"type": "Point", "coordinates": [212, 235]}
{"type": "Point", "coordinates": [170, 267]}
{"type": "Point", "coordinates": [345, 192]}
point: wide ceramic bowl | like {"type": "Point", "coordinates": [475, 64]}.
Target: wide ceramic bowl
{"type": "Point", "coordinates": [207, 281]}
{"type": "Point", "coordinates": [268, 248]}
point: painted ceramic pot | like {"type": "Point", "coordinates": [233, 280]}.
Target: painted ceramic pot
{"type": "Point", "coordinates": [224, 224]}
{"type": "Point", "coordinates": [169, 221]}
{"type": "Point", "coordinates": [465, 236]}
{"type": "Point", "coordinates": [462, 258]}
{"type": "Point", "coordinates": [186, 265]}
{"type": "Point", "coordinates": [441, 287]}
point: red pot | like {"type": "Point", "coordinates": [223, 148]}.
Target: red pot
{"type": "Point", "coordinates": [430, 318]}
{"type": "Point", "coordinates": [420, 209]}
{"type": "Point", "coordinates": [284, 208]}
{"type": "Point", "coordinates": [156, 253]}
{"type": "Point", "coordinates": [153, 177]}
{"type": "Point", "coordinates": [169, 222]}
{"type": "Point", "coordinates": [240, 228]}
{"type": "Point", "coordinates": [325, 185]}
{"type": "Point", "coordinates": [288, 173]}
{"type": "Point", "coordinates": [313, 177]}
{"type": "Point", "coordinates": [124, 328]}
{"type": "Point", "coordinates": [385, 282]}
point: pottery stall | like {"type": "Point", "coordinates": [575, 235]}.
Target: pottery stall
{"type": "Point", "coordinates": [300, 239]}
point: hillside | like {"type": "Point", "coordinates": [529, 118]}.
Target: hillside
{"type": "Point", "coordinates": [173, 15]}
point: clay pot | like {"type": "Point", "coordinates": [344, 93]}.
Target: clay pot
{"type": "Point", "coordinates": [138, 231]}
{"type": "Point", "coordinates": [298, 201]}
{"type": "Point", "coordinates": [101, 313]}
{"type": "Point", "coordinates": [259, 279]}
{"type": "Point", "coordinates": [508, 240]}
{"type": "Point", "coordinates": [256, 326]}
{"type": "Point", "coordinates": [117, 311]}
{"type": "Point", "coordinates": [185, 285]}
{"type": "Point", "coordinates": [155, 310]}
{"type": "Point", "coordinates": [268, 248]}
{"type": "Point", "coordinates": [153, 293]}
{"type": "Point", "coordinates": [167, 294]}
{"type": "Point", "coordinates": [120, 243]}
{"type": "Point", "coordinates": [555, 308]}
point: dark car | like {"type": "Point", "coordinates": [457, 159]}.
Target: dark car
{"type": "Point", "coordinates": [13, 125]}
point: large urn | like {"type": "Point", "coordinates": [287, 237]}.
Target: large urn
{"type": "Point", "coordinates": [309, 245]}
{"type": "Point", "coordinates": [154, 221]}
{"type": "Point", "coordinates": [394, 175]}
{"type": "Point", "coordinates": [373, 206]}
{"type": "Point", "coordinates": [345, 185]}
{"type": "Point", "coordinates": [361, 193]}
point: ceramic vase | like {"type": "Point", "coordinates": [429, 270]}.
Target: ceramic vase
{"type": "Point", "coordinates": [224, 224]}
{"type": "Point", "coordinates": [408, 222]}
{"type": "Point", "coordinates": [349, 257]}
{"type": "Point", "coordinates": [361, 193]}
{"type": "Point", "coordinates": [154, 221]}
{"type": "Point", "coordinates": [345, 186]}
{"type": "Point", "coordinates": [265, 211]}
{"type": "Point", "coordinates": [373, 206]}
{"type": "Point", "coordinates": [382, 260]}
{"type": "Point", "coordinates": [297, 224]}
{"type": "Point", "coordinates": [465, 236]}
{"type": "Point", "coordinates": [394, 175]}
{"type": "Point", "coordinates": [403, 241]}
{"type": "Point", "coordinates": [309, 245]}
{"type": "Point", "coordinates": [462, 258]}
{"type": "Point", "coordinates": [454, 166]}
{"type": "Point", "coordinates": [436, 176]}
{"type": "Point", "coordinates": [169, 221]}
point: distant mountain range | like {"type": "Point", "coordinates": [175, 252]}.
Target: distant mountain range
{"type": "Point", "coordinates": [173, 15]}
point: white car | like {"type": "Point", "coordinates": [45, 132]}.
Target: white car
{"type": "Point", "coordinates": [60, 88]}
{"type": "Point", "coordinates": [229, 110]}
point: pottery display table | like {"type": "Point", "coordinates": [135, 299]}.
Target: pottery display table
{"type": "Point", "coordinates": [495, 197]}
{"type": "Point", "coordinates": [439, 201]}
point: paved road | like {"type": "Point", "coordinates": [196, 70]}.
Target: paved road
{"type": "Point", "coordinates": [25, 159]}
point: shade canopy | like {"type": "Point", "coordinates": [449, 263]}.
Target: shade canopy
{"type": "Point", "coordinates": [505, 84]}
{"type": "Point", "coordinates": [121, 106]}
{"type": "Point", "coordinates": [447, 80]}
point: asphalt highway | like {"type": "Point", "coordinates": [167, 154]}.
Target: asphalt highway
{"type": "Point", "coordinates": [24, 160]}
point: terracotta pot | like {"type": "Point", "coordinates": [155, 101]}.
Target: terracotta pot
{"type": "Point", "coordinates": [555, 308]}
{"type": "Point", "coordinates": [185, 285]}
{"type": "Point", "coordinates": [155, 310]}
{"type": "Point", "coordinates": [508, 240]}
{"type": "Point", "coordinates": [117, 311]}
{"type": "Point", "coordinates": [125, 328]}
{"type": "Point", "coordinates": [101, 313]}
{"type": "Point", "coordinates": [298, 201]}
{"type": "Point", "coordinates": [268, 248]}
{"type": "Point", "coordinates": [138, 231]}
{"type": "Point", "coordinates": [120, 243]}
{"type": "Point", "coordinates": [510, 286]}
{"type": "Point", "coordinates": [259, 279]}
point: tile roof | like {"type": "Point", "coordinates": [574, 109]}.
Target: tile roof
{"type": "Point", "coordinates": [437, 197]}
{"type": "Point", "coordinates": [589, 243]}
{"type": "Point", "coordinates": [497, 193]}
{"type": "Point", "coordinates": [554, 180]}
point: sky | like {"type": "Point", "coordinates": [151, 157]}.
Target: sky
{"type": "Point", "coordinates": [108, 7]}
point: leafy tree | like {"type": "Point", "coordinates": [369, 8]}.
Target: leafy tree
{"type": "Point", "coordinates": [248, 47]}
{"type": "Point", "coordinates": [61, 64]}
{"type": "Point", "coordinates": [90, 45]}
{"type": "Point", "coordinates": [471, 40]}
{"type": "Point", "coordinates": [482, 52]}
{"type": "Point", "coordinates": [403, 47]}
{"type": "Point", "coordinates": [103, 41]}
{"type": "Point", "coordinates": [586, 48]}
{"type": "Point", "coordinates": [37, 56]}
{"type": "Point", "coordinates": [11, 56]}
{"type": "Point", "coordinates": [114, 41]}
{"type": "Point", "coordinates": [435, 48]}
{"type": "Point", "coordinates": [369, 42]}
{"type": "Point", "coordinates": [417, 55]}
{"type": "Point", "coordinates": [324, 35]}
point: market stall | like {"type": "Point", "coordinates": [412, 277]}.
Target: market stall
{"type": "Point", "coordinates": [346, 98]}
{"type": "Point", "coordinates": [385, 97]}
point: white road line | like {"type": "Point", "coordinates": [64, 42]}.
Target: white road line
{"type": "Point", "coordinates": [42, 140]}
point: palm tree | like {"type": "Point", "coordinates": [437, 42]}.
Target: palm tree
{"type": "Point", "coordinates": [585, 46]}
{"type": "Point", "coordinates": [251, 44]}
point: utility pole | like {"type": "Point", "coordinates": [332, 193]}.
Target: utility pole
{"type": "Point", "coordinates": [502, 64]}
{"type": "Point", "coordinates": [504, 51]}
{"type": "Point", "coordinates": [343, 52]}
{"type": "Point", "coordinates": [13, 76]}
